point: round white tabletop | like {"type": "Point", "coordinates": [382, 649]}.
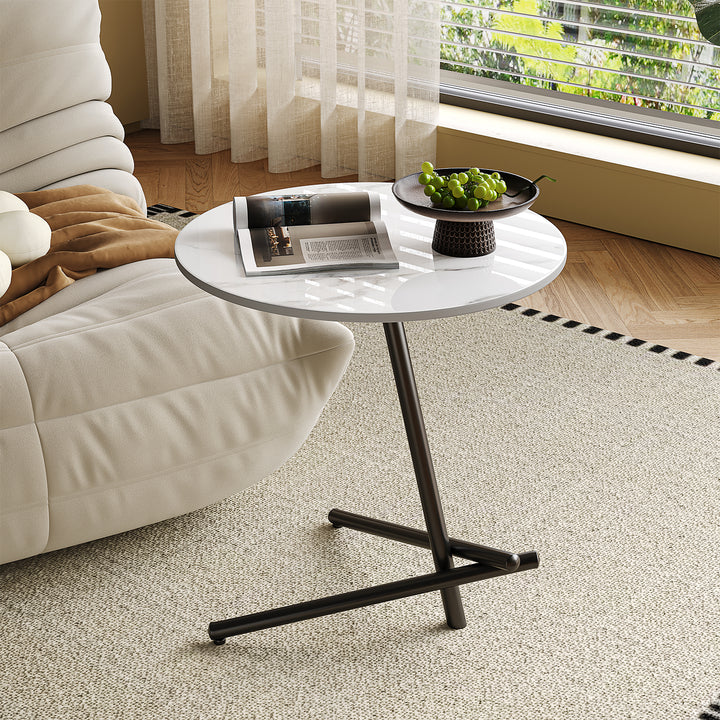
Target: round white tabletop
{"type": "Point", "coordinates": [530, 253]}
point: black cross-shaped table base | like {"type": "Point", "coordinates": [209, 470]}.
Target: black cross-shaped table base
{"type": "Point", "coordinates": [486, 562]}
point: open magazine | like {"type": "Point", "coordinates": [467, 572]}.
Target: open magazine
{"type": "Point", "coordinates": [310, 232]}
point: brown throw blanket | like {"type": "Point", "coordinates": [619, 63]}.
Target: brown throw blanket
{"type": "Point", "coordinates": [92, 229]}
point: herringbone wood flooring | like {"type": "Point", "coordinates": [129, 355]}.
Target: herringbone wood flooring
{"type": "Point", "coordinates": [634, 287]}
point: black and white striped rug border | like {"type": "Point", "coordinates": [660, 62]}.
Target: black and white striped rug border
{"type": "Point", "coordinates": [680, 355]}
{"type": "Point", "coordinates": [617, 337]}
{"type": "Point", "coordinates": [159, 209]}
{"type": "Point", "coordinates": [712, 711]}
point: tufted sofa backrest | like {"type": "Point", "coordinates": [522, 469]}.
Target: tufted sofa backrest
{"type": "Point", "coordinates": [55, 127]}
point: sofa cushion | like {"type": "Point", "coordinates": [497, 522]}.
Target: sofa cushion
{"type": "Point", "coordinates": [50, 58]}
{"type": "Point", "coordinates": [117, 181]}
{"type": "Point", "coordinates": [98, 152]}
{"type": "Point", "coordinates": [152, 398]}
{"type": "Point", "coordinates": [24, 515]}
{"type": "Point", "coordinates": [50, 133]}
{"type": "Point", "coordinates": [55, 129]}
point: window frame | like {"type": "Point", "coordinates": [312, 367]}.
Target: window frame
{"type": "Point", "coordinates": [643, 125]}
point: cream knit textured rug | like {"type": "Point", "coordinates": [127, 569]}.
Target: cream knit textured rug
{"type": "Point", "coordinates": [603, 457]}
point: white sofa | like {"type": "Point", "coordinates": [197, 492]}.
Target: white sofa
{"type": "Point", "coordinates": [55, 128]}
{"type": "Point", "coordinates": [130, 396]}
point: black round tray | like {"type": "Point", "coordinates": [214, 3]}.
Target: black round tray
{"type": "Point", "coordinates": [410, 193]}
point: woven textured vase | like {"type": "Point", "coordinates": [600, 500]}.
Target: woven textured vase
{"type": "Point", "coordinates": [464, 239]}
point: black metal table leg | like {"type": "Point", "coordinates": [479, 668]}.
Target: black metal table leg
{"type": "Point", "coordinates": [501, 559]}
{"type": "Point", "coordinates": [422, 462]}
{"type": "Point", "coordinates": [441, 580]}
{"type": "Point", "coordinates": [487, 562]}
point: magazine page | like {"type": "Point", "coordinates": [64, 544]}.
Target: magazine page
{"type": "Point", "coordinates": [306, 248]}
{"type": "Point", "coordinates": [260, 211]}
{"type": "Point", "coordinates": [305, 233]}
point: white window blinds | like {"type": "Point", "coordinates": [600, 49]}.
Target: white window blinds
{"type": "Point", "coordinates": [643, 53]}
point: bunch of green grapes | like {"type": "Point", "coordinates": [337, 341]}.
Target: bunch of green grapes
{"type": "Point", "coordinates": [467, 190]}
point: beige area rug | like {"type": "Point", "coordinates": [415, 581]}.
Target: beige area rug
{"type": "Point", "coordinates": [603, 457]}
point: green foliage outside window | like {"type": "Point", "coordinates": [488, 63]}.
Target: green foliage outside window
{"type": "Point", "coordinates": [638, 58]}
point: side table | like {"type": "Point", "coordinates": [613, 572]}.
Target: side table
{"type": "Point", "coordinates": [530, 253]}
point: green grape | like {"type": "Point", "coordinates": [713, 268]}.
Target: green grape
{"type": "Point", "coordinates": [469, 189]}
{"type": "Point", "coordinates": [482, 192]}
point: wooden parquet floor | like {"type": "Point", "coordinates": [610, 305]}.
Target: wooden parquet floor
{"type": "Point", "coordinates": [638, 288]}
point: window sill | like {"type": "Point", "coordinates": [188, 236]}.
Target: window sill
{"type": "Point", "coordinates": [648, 192]}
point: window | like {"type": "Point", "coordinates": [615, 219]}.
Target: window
{"type": "Point", "coordinates": [637, 69]}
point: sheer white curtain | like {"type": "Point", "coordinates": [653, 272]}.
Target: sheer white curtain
{"type": "Point", "coordinates": [349, 84]}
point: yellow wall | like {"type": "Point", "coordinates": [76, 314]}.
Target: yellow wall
{"type": "Point", "coordinates": [121, 36]}
{"type": "Point", "coordinates": [650, 193]}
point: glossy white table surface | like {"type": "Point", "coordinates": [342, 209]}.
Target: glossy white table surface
{"type": "Point", "coordinates": [530, 253]}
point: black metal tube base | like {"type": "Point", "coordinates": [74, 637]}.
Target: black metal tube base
{"type": "Point", "coordinates": [223, 629]}
{"type": "Point", "coordinates": [500, 559]}
{"type": "Point", "coordinates": [487, 562]}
